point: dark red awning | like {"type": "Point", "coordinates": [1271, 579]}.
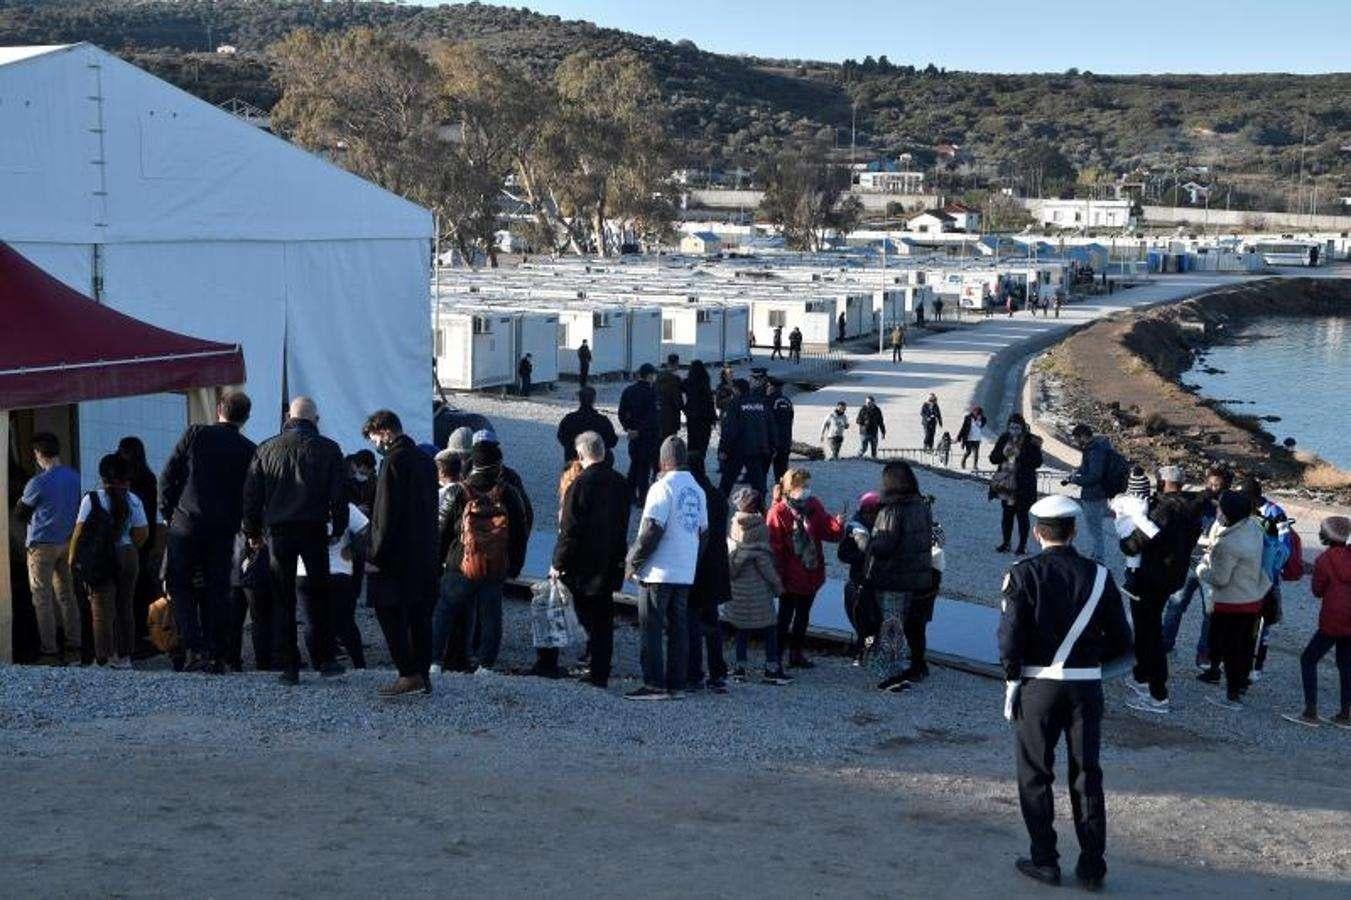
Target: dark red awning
{"type": "Point", "coordinates": [59, 346]}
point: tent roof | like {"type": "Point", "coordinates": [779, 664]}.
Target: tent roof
{"type": "Point", "coordinates": [59, 346]}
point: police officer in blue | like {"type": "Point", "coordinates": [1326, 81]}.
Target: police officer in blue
{"type": "Point", "coordinates": [744, 440]}
{"type": "Point", "coordinates": [1062, 620]}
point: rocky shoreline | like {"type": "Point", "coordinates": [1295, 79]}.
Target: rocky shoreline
{"type": "Point", "coordinates": [1125, 377]}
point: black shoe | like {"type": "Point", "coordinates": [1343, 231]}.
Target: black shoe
{"type": "Point", "coordinates": [1045, 874]}
{"type": "Point", "coordinates": [1021, 551]}
{"type": "Point", "coordinates": [1090, 883]}
{"type": "Point", "coordinates": [716, 686]}
{"type": "Point", "coordinates": [1002, 548]}
{"type": "Point", "coordinates": [538, 671]}
{"type": "Point", "coordinates": [426, 684]}
{"type": "Point", "coordinates": [289, 676]}
{"type": "Point", "coordinates": [215, 667]}
{"type": "Point", "coordinates": [1209, 676]}
{"type": "Point", "coordinates": [801, 662]}
{"type": "Point", "coordinates": [893, 685]}
{"type": "Point", "coordinates": [916, 674]}
{"type": "Point", "coordinates": [332, 669]}
{"type": "Point", "coordinates": [647, 693]}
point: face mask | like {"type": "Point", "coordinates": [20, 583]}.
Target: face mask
{"type": "Point", "coordinates": [803, 494]}
{"type": "Point", "coordinates": [359, 477]}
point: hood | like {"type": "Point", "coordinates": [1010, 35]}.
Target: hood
{"type": "Point", "coordinates": [749, 529]}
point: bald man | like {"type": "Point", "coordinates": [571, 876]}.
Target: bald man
{"type": "Point", "coordinates": [295, 498]}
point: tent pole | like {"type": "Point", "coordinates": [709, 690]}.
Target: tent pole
{"type": "Point", "coordinates": [6, 591]}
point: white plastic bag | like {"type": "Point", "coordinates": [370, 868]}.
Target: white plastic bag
{"type": "Point", "coordinates": [553, 616]}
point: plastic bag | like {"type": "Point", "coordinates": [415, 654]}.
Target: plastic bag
{"type": "Point", "coordinates": [553, 616]}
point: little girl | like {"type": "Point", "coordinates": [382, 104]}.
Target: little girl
{"type": "Point", "coordinates": [1331, 585]}
{"type": "Point", "coordinates": [755, 585]}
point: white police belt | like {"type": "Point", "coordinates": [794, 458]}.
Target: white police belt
{"type": "Point", "coordinates": [1056, 671]}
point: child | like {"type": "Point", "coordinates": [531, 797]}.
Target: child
{"type": "Point", "coordinates": [1332, 585]}
{"type": "Point", "coordinates": [860, 603]}
{"type": "Point", "coordinates": [755, 585]}
{"type": "Point", "coordinates": [945, 448]}
{"type": "Point", "coordinates": [1131, 510]}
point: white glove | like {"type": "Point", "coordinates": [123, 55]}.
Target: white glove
{"type": "Point", "coordinates": [1011, 690]}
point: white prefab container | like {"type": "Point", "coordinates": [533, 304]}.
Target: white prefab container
{"type": "Point", "coordinates": [816, 319]}
{"type": "Point", "coordinates": [858, 313]}
{"type": "Point", "coordinates": [694, 331]}
{"type": "Point", "coordinates": [644, 337]}
{"type": "Point", "coordinates": [736, 326]}
{"type": "Point", "coordinates": [889, 306]}
{"type": "Point", "coordinates": [605, 329]}
{"type": "Point", "coordinates": [474, 349]}
{"type": "Point", "coordinates": [536, 333]}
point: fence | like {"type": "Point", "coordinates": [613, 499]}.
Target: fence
{"type": "Point", "coordinates": [1047, 479]}
{"type": "Point", "coordinates": [813, 364]}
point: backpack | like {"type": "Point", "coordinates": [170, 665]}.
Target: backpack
{"type": "Point", "coordinates": [1293, 570]}
{"type": "Point", "coordinates": [1116, 473]}
{"type": "Point", "coordinates": [485, 532]}
{"type": "Point", "coordinates": [95, 559]}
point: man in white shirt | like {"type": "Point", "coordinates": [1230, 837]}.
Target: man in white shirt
{"type": "Point", "coordinates": [662, 561]}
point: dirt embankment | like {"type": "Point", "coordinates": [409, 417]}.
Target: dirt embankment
{"type": "Point", "coordinates": [1123, 377]}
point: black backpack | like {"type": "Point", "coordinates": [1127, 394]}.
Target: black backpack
{"type": "Point", "coordinates": [95, 561]}
{"type": "Point", "coordinates": [1116, 473]}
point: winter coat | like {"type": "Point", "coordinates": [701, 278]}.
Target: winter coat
{"type": "Point", "coordinates": [781, 412]}
{"type": "Point", "coordinates": [670, 402]}
{"type": "Point", "coordinates": [699, 406]}
{"type": "Point", "coordinates": [1016, 481]}
{"type": "Point", "coordinates": [972, 429]}
{"type": "Point", "coordinates": [745, 427]}
{"type": "Point", "coordinates": [1232, 567]}
{"type": "Point", "coordinates": [638, 411]}
{"type": "Point", "coordinates": [930, 412]}
{"type": "Point", "coordinates": [482, 480]}
{"type": "Point", "coordinates": [593, 531]}
{"type": "Point", "coordinates": [298, 477]}
{"type": "Point", "coordinates": [403, 536]}
{"type": "Point", "coordinates": [1092, 471]}
{"type": "Point", "coordinates": [580, 421]}
{"type": "Point", "coordinates": [899, 555]}
{"type": "Point", "coordinates": [1332, 585]}
{"type": "Point", "coordinates": [870, 421]}
{"type": "Point", "coordinates": [820, 525]}
{"type": "Point", "coordinates": [755, 580]}
{"type": "Point", "coordinates": [712, 579]}
{"type": "Point", "coordinates": [201, 490]}
{"type": "Point", "coordinates": [1165, 559]}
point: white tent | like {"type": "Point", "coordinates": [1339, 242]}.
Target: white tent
{"type": "Point", "coordinates": [176, 212]}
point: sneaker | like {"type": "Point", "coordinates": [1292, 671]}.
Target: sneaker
{"type": "Point", "coordinates": [647, 693]}
{"type": "Point", "coordinates": [1254, 676]}
{"type": "Point", "coordinates": [1229, 703]}
{"type": "Point", "coordinates": [1209, 676]}
{"type": "Point", "coordinates": [716, 686]}
{"type": "Point", "coordinates": [777, 677]}
{"type": "Point", "coordinates": [1045, 874]}
{"type": "Point", "coordinates": [739, 674]}
{"type": "Point", "coordinates": [332, 669]}
{"type": "Point", "coordinates": [404, 684]}
{"type": "Point", "coordinates": [1341, 720]}
{"type": "Point", "coordinates": [893, 685]}
{"type": "Point", "coordinates": [121, 662]}
{"type": "Point", "coordinates": [1002, 548]}
{"type": "Point", "coordinates": [916, 674]}
{"type": "Point", "coordinates": [677, 694]}
{"type": "Point", "coordinates": [435, 669]}
{"type": "Point", "coordinates": [1306, 718]}
{"type": "Point", "coordinates": [1148, 704]}
{"type": "Point", "coordinates": [1140, 688]}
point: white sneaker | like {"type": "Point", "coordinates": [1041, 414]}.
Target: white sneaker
{"type": "Point", "coordinates": [121, 662]}
{"type": "Point", "coordinates": [1255, 675]}
{"type": "Point", "coordinates": [1139, 687]}
{"type": "Point", "coordinates": [1149, 704]}
{"type": "Point", "coordinates": [434, 669]}
{"type": "Point", "coordinates": [1223, 702]}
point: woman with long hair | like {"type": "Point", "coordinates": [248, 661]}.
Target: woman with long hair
{"type": "Point", "coordinates": [120, 512]}
{"type": "Point", "coordinates": [701, 414]}
{"type": "Point", "coordinates": [1017, 456]}
{"type": "Point", "coordinates": [970, 435]}
{"type": "Point", "coordinates": [145, 486]}
{"type": "Point", "coordinates": [798, 523]}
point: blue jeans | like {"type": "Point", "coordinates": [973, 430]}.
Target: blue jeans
{"type": "Point", "coordinates": [662, 614]}
{"type": "Point", "coordinates": [478, 602]}
{"type": "Point", "coordinates": [1172, 620]}
{"type": "Point", "coordinates": [867, 441]}
{"type": "Point", "coordinates": [1095, 520]}
{"type": "Point", "coordinates": [769, 635]}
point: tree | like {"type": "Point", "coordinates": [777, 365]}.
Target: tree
{"type": "Point", "coordinates": [806, 196]}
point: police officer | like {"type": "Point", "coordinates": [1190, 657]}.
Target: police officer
{"type": "Point", "coordinates": [745, 435]}
{"type": "Point", "coordinates": [1062, 619]}
{"type": "Point", "coordinates": [781, 415]}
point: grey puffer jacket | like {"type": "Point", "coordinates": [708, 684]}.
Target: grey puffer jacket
{"type": "Point", "coordinates": [755, 582]}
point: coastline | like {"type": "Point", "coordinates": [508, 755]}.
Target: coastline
{"type": "Point", "coordinates": [1125, 376]}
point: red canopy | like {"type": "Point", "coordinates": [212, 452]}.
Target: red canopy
{"type": "Point", "coordinates": [58, 346]}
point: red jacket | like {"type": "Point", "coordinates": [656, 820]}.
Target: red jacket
{"type": "Point", "coordinates": [1332, 585]}
{"type": "Point", "coordinates": [821, 526]}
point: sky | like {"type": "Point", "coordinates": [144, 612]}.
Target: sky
{"type": "Point", "coordinates": [1125, 36]}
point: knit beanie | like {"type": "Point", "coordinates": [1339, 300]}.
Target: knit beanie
{"type": "Point", "coordinates": [673, 453]}
{"type": "Point", "coordinates": [1137, 485]}
{"type": "Point", "coordinates": [484, 455]}
{"type": "Point", "coordinates": [461, 440]}
{"type": "Point", "coordinates": [1335, 530]}
{"type": "Point", "coordinates": [1234, 508]}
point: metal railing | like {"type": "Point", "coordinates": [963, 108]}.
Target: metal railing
{"type": "Point", "coordinates": [1047, 479]}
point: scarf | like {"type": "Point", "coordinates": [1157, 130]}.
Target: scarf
{"type": "Point", "coordinates": [804, 546]}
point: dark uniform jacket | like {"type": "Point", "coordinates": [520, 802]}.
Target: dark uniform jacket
{"type": "Point", "coordinates": [403, 520]}
{"type": "Point", "coordinates": [202, 487]}
{"type": "Point", "coordinates": [580, 421]}
{"type": "Point", "coordinates": [298, 477]}
{"type": "Point", "coordinates": [638, 411]}
{"type": "Point", "coordinates": [781, 411]}
{"type": "Point", "coordinates": [593, 531]}
{"type": "Point", "coordinates": [670, 402]}
{"type": "Point", "coordinates": [1043, 595]}
{"type": "Point", "coordinates": [746, 427]}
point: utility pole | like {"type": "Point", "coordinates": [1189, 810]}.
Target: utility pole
{"type": "Point", "coordinates": [882, 316]}
{"type": "Point", "coordinates": [853, 133]}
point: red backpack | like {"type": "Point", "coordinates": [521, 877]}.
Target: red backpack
{"type": "Point", "coordinates": [485, 531]}
{"type": "Point", "coordinates": [1293, 570]}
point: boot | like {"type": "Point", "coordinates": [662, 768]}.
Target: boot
{"type": "Point", "coordinates": [403, 685]}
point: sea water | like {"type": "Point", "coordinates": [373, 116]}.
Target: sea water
{"type": "Point", "coordinates": [1297, 368]}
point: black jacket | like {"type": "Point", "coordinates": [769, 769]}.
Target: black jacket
{"type": "Point", "coordinates": [713, 577]}
{"type": "Point", "coordinates": [699, 406]}
{"type": "Point", "coordinates": [1043, 595]}
{"type": "Point", "coordinates": [452, 540]}
{"type": "Point", "coordinates": [670, 402]}
{"type": "Point", "coordinates": [870, 420]}
{"type": "Point", "coordinates": [795, 339]}
{"type": "Point", "coordinates": [930, 412]}
{"type": "Point", "coordinates": [638, 411]}
{"type": "Point", "coordinates": [580, 421]}
{"type": "Point", "coordinates": [403, 521]}
{"type": "Point", "coordinates": [525, 367]}
{"type": "Point", "coordinates": [899, 554]}
{"type": "Point", "coordinates": [1022, 487]}
{"type": "Point", "coordinates": [298, 477]}
{"type": "Point", "coordinates": [1165, 558]}
{"type": "Point", "coordinates": [202, 485]}
{"type": "Point", "coordinates": [745, 427]}
{"type": "Point", "coordinates": [781, 414]}
{"type": "Point", "coordinates": [969, 424]}
{"type": "Point", "coordinates": [584, 357]}
{"type": "Point", "coordinates": [593, 531]}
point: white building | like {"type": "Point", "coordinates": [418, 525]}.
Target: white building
{"type": "Point", "coordinates": [891, 182]}
{"type": "Point", "coordinates": [931, 221]}
{"type": "Point", "coordinates": [166, 208]}
{"type": "Point", "coordinates": [700, 243]}
{"type": "Point", "coordinates": [1085, 213]}
{"type": "Point", "coordinates": [964, 218]}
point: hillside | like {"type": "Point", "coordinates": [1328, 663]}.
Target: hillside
{"type": "Point", "coordinates": [731, 110]}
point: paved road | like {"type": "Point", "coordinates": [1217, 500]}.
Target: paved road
{"type": "Point", "coordinates": [952, 364]}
